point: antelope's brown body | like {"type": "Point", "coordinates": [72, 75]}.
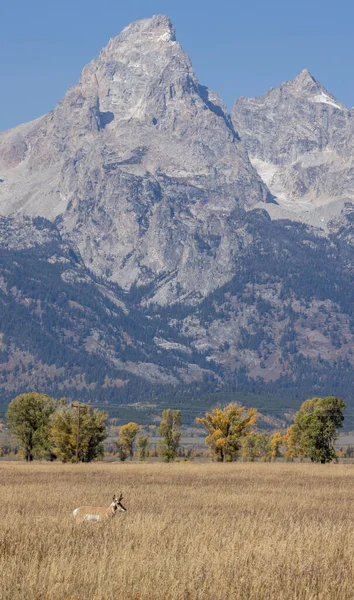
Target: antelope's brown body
{"type": "Point", "coordinates": [99, 513]}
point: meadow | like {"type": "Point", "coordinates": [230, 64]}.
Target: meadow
{"type": "Point", "coordinates": [191, 531]}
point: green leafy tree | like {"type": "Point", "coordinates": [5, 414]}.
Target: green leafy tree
{"type": "Point", "coordinates": [143, 445]}
{"type": "Point", "coordinates": [170, 431]}
{"type": "Point", "coordinates": [315, 427]}
{"type": "Point", "coordinates": [255, 446]}
{"type": "Point", "coordinates": [225, 427]}
{"type": "Point", "coordinates": [121, 450]}
{"type": "Point", "coordinates": [127, 436]}
{"type": "Point", "coordinates": [28, 417]}
{"type": "Point", "coordinates": [77, 433]}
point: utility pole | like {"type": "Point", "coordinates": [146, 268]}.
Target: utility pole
{"type": "Point", "coordinates": [78, 406]}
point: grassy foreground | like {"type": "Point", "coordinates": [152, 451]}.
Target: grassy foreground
{"type": "Point", "coordinates": [192, 531]}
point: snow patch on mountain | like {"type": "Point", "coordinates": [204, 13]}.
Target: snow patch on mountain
{"type": "Point", "coordinates": [323, 98]}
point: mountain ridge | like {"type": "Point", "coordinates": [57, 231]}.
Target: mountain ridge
{"type": "Point", "coordinates": [299, 138]}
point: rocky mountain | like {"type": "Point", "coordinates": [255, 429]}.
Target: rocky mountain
{"type": "Point", "coordinates": [152, 246]}
{"type": "Point", "coordinates": [67, 331]}
{"type": "Point", "coordinates": [300, 139]}
{"type": "Point", "coordinates": [138, 162]}
{"type": "Point", "coordinates": [282, 325]}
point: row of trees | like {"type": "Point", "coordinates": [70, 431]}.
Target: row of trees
{"type": "Point", "coordinates": [47, 428]}
{"type": "Point", "coordinates": [169, 430]}
{"type": "Point", "coordinates": [53, 429]}
{"type": "Point", "coordinates": [126, 440]}
{"type": "Point", "coordinates": [314, 432]}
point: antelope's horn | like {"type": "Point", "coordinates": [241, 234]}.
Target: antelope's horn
{"type": "Point", "coordinates": [120, 497]}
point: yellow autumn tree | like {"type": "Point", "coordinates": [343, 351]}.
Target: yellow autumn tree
{"type": "Point", "coordinates": [225, 427]}
{"type": "Point", "coordinates": [127, 437]}
{"type": "Point", "coordinates": [292, 445]}
{"type": "Point", "coordinates": [275, 443]}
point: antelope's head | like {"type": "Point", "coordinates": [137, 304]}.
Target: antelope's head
{"type": "Point", "coordinates": [117, 503]}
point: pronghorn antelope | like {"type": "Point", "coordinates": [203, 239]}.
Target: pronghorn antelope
{"type": "Point", "coordinates": [99, 513]}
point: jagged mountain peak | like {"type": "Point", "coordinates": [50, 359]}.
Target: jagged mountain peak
{"type": "Point", "coordinates": [303, 89]}
{"type": "Point", "coordinates": [140, 164]}
{"type": "Point", "coordinates": [159, 27]}
{"type": "Point", "coordinates": [156, 34]}
{"type": "Point", "coordinates": [304, 84]}
{"type": "Point", "coordinates": [297, 136]}
{"type": "Point", "coordinates": [308, 89]}
{"type": "Point", "coordinates": [305, 78]}
{"type": "Point", "coordinates": [142, 69]}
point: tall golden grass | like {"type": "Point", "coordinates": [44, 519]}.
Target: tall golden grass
{"type": "Point", "coordinates": [192, 531]}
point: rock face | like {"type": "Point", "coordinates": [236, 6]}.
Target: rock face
{"type": "Point", "coordinates": [141, 163]}
{"type": "Point", "coordinates": [300, 139]}
{"type": "Point", "coordinates": [283, 323]}
{"type": "Point", "coordinates": [64, 331]}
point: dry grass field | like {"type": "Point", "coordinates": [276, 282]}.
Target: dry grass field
{"type": "Point", "coordinates": [192, 531]}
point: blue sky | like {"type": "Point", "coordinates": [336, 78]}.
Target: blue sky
{"type": "Point", "coordinates": [238, 48]}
